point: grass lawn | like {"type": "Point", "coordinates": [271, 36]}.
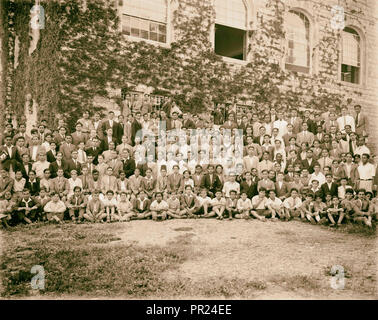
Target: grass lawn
{"type": "Point", "coordinates": [189, 259]}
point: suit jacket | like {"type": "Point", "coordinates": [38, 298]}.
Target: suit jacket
{"type": "Point", "coordinates": [162, 184]}
{"type": "Point", "coordinates": [325, 189]}
{"type": "Point", "coordinates": [60, 185]}
{"type": "Point", "coordinates": [297, 124]}
{"type": "Point", "coordinates": [283, 191]}
{"type": "Point", "coordinates": [94, 151]}
{"type": "Point", "coordinates": [105, 143]}
{"type": "Point", "coordinates": [76, 139]}
{"type": "Point", "coordinates": [120, 132]}
{"type": "Point", "coordinates": [54, 168]}
{"type": "Point", "coordinates": [308, 166]}
{"type": "Point", "coordinates": [311, 126]}
{"type": "Point", "coordinates": [307, 137]}
{"type": "Point", "coordinates": [328, 125]}
{"type": "Point", "coordinates": [25, 169]}
{"type": "Point", "coordinates": [251, 190]}
{"type": "Point", "coordinates": [135, 127]}
{"type": "Point", "coordinates": [338, 173]}
{"type": "Point", "coordinates": [287, 136]}
{"type": "Point", "coordinates": [50, 156]}
{"type": "Point", "coordinates": [128, 167]}
{"type": "Point", "coordinates": [6, 184]}
{"type": "Point", "coordinates": [174, 181]}
{"type": "Point", "coordinates": [362, 124]}
{"type": "Point", "coordinates": [34, 187]}
{"type": "Point", "coordinates": [106, 125]}
{"type": "Point", "coordinates": [149, 185]}
{"type": "Point", "coordinates": [188, 201]}
{"type": "Point", "coordinates": [213, 185]}
{"type": "Point", "coordinates": [354, 175]}
{"type": "Point", "coordinates": [70, 165]}
{"type": "Point", "coordinates": [66, 150]}
{"type": "Point", "coordinates": [108, 183]}
{"type": "Point", "coordinates": [58, 139]}
{"type": "Point", "coordinates": [10, 159]}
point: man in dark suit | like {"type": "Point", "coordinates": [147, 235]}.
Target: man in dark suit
{"type": "Point", "coordinates": [328, 187]}
{"type": "Point", "coordinates": [108, 138]}
{"type": "Point", "coordinates": [110, 124]}
{"type": "Point", "coordinates": [51, 154]}
{"type": "Point", "coordinates": [73, 164]}
{"type": "Point", "coordinates": [309, 162]}
{"type": "Point", "coordinates": [25, 166]}
{"type": "Point", "coordinates": [128, 163]}
{"type": "Point", "coordinates": [9, 154]}
{"type": "Point", "coordinates": [260, 138]}
{"type": "Point", "coordinates": [79, 136]}
{"type": "Point", "coordinates": [135, 127]}
{"type": "Point", "coordinates": [248, 186]}
{"type": "Point", "coordinates": [33, 184]}
{"type": "Point", "coordinates": [120, 129]}
{"type": "Point", "coordinates": [59, 163]}
{"type": "Point", "coordinates": [187, 123]}
{"type": "Point", "coordinates": [95, 150]}
{"type": "Point", "coordinates": [211, 181]}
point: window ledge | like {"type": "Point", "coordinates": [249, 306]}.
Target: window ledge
{"type": "Point", "coordinates": [155, 43]}
{"type": "Point", "coordinates": [234, 61]}
{"type": "Point", "coordinates": [351, 85]}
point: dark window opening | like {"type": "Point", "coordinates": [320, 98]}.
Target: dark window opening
{"type": "Point", "coordinates": [229, 42]}
{"type": "Point", "coordinates": [350, 74]}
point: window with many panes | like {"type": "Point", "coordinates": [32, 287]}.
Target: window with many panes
{"type": "Point", "coordinates": [298, 42]}
{"type": "Point", "coordinates": [146, 19]}
{"type": "Point", "coordinates": [351, 56]}
{"type": "Point", "coordinates": [230, 28]}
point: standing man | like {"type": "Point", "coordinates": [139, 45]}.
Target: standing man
{"type": "Point", "coordinates": [361, 121]}
{"type": "Point", "coordinates": [366, 173]}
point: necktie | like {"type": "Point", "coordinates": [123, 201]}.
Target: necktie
{"type": "Point", "coordinates": [357, 114]}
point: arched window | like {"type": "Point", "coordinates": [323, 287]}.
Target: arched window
{"type": "Point", "coordinates": [230, 28]}
{"type": "Point", "coordinates": [146, 19]}
{"type": "Point", "coordinates": [298, 55]}
{"type": "Point", "coordinates": [351, 56]}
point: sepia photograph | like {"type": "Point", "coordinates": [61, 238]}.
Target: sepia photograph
{"type": "Point", "coordinates": [188, 153]}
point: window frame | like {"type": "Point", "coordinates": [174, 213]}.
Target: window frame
{"type": "Point", "coordinates": [311, 31]}
{"type": "Point", "coordinates": [244, 61]}
{"type": "Point", "coordinates": [168, 26]}
{"type": "Point", "coordinates": [362, 52]}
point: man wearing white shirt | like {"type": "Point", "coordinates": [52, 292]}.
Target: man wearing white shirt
{"type": "Point", "coordinates": [366, 172]}
{"type": "Point", "coordinates": [345, 119]}
{"type": "Point", "coordinates": [250, 161]}
{"type": "Point", "coordinates": [361, 147]}
{"type": "Point", "coordinates": [280, 124]}
{"type": "Point", "coordinates": [317, 175]}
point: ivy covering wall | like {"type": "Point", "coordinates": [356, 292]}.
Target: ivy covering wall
{"type": "Point", "coordinates": [81, 53]}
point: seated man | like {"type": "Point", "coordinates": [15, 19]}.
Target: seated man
{"type": "Point", "coordinates": [244, 206]}
{"type": "Point", "coordinates": [55, 208]}
{"type": "Point", "coordinates": [27, 208]}
{"type": "Point", "coordinates": [76, 205]}
{"type": "Point", "coordinates": [141, 206]}
{"type": "Point", "coordinates": [95, 211]}
{"type": "Point", "coordinates": [231, 205]}
{"type": "Point", "coordinates": [159, 207]}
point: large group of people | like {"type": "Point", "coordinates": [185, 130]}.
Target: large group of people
{"type": "Point", "coordinates": [267, 165]}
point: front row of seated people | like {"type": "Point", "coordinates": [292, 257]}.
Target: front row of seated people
{"type": "Point", "coordinates": [77, 205]}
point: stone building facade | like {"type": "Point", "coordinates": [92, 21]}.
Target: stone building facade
{"type": "Point", "coordinates": [354, 71]}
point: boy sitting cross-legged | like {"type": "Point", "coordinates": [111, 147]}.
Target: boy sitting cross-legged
{"type": "Point", "coordinates": [204, 202]}
{"type": "Point", "coordinates": [55, 208]}
{"type": "Point", "coordinates": [159, 207]}
{"type": "Point", "coordinates": [275, 206]}
{"type": "Point", "coordinates": [335, 210]}
{"type": "Point", "coordinates": [319, 209]}
{"type": "Point", "coordinates": [174, 207]}
{"type": "Point", "coordinates": [259, 210]}
{"type": "Point", "coordinates": [244, 206]}
{"type": "Point", "coordinates": [218, 206]}
{"type": "Point", "coordinates": [189, 203]}
{"type": "Point", "coordinates": [141, 206]}
{"type": "Point", "coordinates": [124, 207]}
{"type": "Point", "coordinates": [95, 208]}
{"type": "Point", "coordinates": [307, 207]}
{"type": "Point", "coordinates": [27, 208]}
{"type": "Point", "coordinates": [110, 204]}
{"type": "Point", "coordinates": [231, 205]}
{"type": "Point", "coordinates": [292, 204]}
{"type": "Point", "coordinates": [76, 205]}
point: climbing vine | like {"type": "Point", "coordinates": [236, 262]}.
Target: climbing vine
{"type": "Point", "coordinates": [82, 53]}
